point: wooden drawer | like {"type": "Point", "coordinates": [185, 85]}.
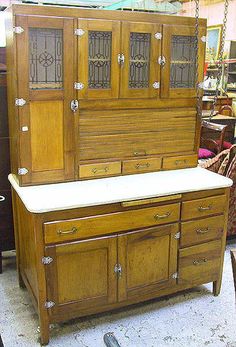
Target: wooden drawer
{"type": "Point", "coordinates": [100, 169]}
{"type": "Point", "coordinates": [141, 165]}
{"type": "Point", "coordinates": [202, 230]}
{"type": "Point", "coordinates": [110, 223]}
{"type": "Point", "coordinates": [203, 207]}
{"type": "Point", "coordinates": [200, 264]}
{"type": "Point", "coordinates": [172, 163]}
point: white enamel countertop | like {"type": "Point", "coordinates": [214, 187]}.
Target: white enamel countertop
{"type": "Point", "coordinates": [63, 196]}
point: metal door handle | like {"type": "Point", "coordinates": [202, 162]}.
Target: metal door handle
{"type": "Point", "coordinates": [2, 198]}
{"type": "Point", "coordinates": [200, 261]}
{"type": "Point", "coordinates": [121, 58]}
{"type": "Point", "coordinates": [142, 166]}
{"type": "Point", "coordinates": [74, 105]}
{"type": "Point", "coordinates": [95, 170]}
{"type": "Point", "coordinates": [202, 208]}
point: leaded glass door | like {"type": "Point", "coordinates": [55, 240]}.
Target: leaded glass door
{"type": "Point", "coordinates": [45, 68]}
{"type": "Point", "coordinates": [140, 72]}
{"type": "Point", "coordinates": [98, 68]}
{"type": "Point", "coordinates": [178, 61]}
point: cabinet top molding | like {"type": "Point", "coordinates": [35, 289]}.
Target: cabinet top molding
{"type": "Point", "coordinates": [75, 12]}
{"type": "Point", "coordinates": [64, 196]}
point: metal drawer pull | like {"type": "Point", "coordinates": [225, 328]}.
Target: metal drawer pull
{"type": "Point", "coordinates": [2, 198]}
{"type": "Point", "coordinates": [178, 162]}
{"type": "Point", "coordinates": [95, 170]}
{"type": "Point", "coordinates": [142, 152]}
{"type": "Point", "coordinates": [162, 216]}
{"type": "Point", "coordinates": [142, 166]}
{"type": "Point", "coordinates": [207, 208]}
{"type": "Point", "coordinates": [202, 231]}
{"type": "Point", "coordinates": [66, 232]}
{"type": "Point", "coordinates": [200, 261]}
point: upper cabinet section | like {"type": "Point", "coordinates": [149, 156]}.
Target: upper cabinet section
{"type": "Point", "coordinates": [98, 68]}
{"type": "Point", "coordinates": [178, 61]}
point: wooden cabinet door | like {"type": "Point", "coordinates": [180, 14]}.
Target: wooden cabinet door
{"type": "Point", "coordinates": [179, 65]}
{"type": "Point", "coordinates": [148, 259]}
{"type": "Point", "coordinates": [45, 53]}
{"type": "Point", "coordinates": [81, 275]}
{"type": "Point", "coordinates": [140, 71]}
{"type": "Point", "coordinates": [98, 68]}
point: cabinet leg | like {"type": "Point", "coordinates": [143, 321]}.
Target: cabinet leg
{"type": "Point", "coordinates": [216, 287]}
{"type": "Point", "coordinates": [20, 281]}
{"type": "Point", "coordinates": [44, 334]}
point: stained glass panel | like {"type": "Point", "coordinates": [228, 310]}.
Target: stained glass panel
{"type": "Point", "coordinates": [139, 60]}
{"type": "Point", "coordinates": [183, 69]}
{"type": "Point", "coordinates": [46, 58]}
{"type": "Point", "coordinates": [100, 44]}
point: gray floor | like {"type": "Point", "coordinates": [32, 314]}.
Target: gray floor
{"type": "Point", "coordinates": [194, 318]}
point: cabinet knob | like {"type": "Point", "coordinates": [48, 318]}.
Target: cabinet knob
{"type": "Point", "coordinates": [2, 198]}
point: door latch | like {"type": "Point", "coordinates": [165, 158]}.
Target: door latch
{"type": "Point", "coordinates": [162, 60]}
{"type": "Point", "coordinates": [74, 105]}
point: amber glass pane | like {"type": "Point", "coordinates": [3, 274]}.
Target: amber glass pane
{"type": "Point", "coordinates": [182, 71]}
{"type": "Point", "coordinates": [139, 60]}
{"type": "Point", "coordinates": [46, 58]}
{"type": "Point", "coordinates": [100, 44]}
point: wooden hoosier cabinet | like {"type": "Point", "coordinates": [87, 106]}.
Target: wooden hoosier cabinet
{"type": "Point", "coordinates": [94, 94]}
{"type": "Point", "coordinates": [97, 93]}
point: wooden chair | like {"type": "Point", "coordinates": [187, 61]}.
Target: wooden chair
{"type": "Point", "coordinates": [212, 139]}
{"type": "Point", "coordinates": [233, 260]}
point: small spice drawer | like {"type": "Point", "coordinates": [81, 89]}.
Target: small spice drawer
{"type": "Point", "coordinates": [180, 162]}
{"type": "Point", "coordinates": [141, 165]}
{"type": "Point", "coordinates": [203, 230]}
{"type": "Point", "coordinates": [199, 263]}
{"type": "Point", "coordinates": [100, 169]}
{"type": "Point", "coordinates": [203, 207]}
{"type": "Point", "coordinates": [109, 223]}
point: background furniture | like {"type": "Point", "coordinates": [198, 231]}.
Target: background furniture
{"type": "Point", "coordinates": [6, 217]}
{"type": "Point", "coordinates": [93, 246]}
{"type": "Point", "coordinates": [225, 164]}
{"type": "Point", "coordinates": [124, 104]}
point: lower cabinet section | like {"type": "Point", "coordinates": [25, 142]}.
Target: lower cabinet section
{"type": "Point", "coordinates": [88, 260]}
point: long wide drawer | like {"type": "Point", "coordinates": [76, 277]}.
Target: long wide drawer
{"type": "Point", "coordinates": [203, 207]}
{"type": "Point", "coordinates": [110, 223]}
{"type": "Point", "coordinates": [199, 264]}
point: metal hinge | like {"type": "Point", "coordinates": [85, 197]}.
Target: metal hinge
{"type": "Point", "coordinates": [175, 275]}
{"type": "Point", "coordinates": [20, 102]}
{"type": "Point", "coordinates": [78, 85]}
{"type": "Point", "coordinates": [49, 304]}
{"type": "Point", "coordinates": [79, 32]}
{"type": "Point", "coordinates": [156, 85]}
{"type": "Point", "coordinates": [18, 30]}
{"type": "Point", "coordinates": [46, 260]}
{"type": "Point", "coordinates": [204, 39]}
{"type": "Point", "coordinates": [118, 270]}
{"type": "Point", "coordinates": [177, 235]}
{"type": "Point", "coordinates": [158, 36]}
{"type": "Point", "coordinates": [22, 171]}
{"type": "Point", "coordinates": [161, 60]}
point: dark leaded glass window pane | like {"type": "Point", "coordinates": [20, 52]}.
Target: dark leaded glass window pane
{"type": "Point", "coordinates": [139, 60]}
{"type": "Point", "coordinates": [183, 54]}
{"type": "Point", "coordinates": [100, 43]}
{"type": "Point", "coordinates": [46, 58]}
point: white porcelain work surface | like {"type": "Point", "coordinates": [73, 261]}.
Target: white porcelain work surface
{"type": "Point", "coordinates": [63, 196]}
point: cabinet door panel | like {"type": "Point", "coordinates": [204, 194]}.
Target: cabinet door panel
{"type": "Point", "coordinates": [140, 70]}
{"type": "Point", "coordinates": [45, 81]}
{"type": "Point", "coordinates": [82, 274]}
{"type": "Point", "coordinates": [178, 72]}
{"type": "Point", "coordinates": [98, 49]}
{"type": "Point", "coordinates": [148, 259]}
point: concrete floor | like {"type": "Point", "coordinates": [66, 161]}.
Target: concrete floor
{"type": "Point", "coordinates": [194, 318]}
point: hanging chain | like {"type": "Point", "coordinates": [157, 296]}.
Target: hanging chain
{"type": "Point", "coordinates": [220, 60]}
{"type": "Point", "coordinates": [199, 101]}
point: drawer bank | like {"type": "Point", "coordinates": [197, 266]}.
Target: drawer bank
{"type": "Point", "coordinates": [80, 244]}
